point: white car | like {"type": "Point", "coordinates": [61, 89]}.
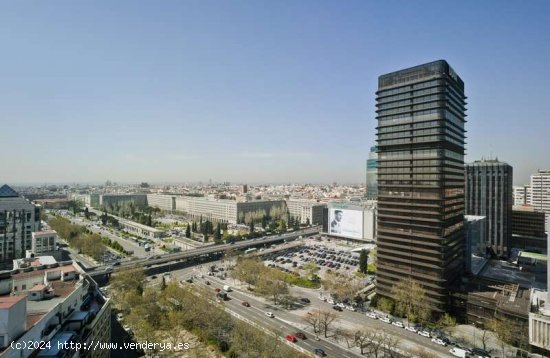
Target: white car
{"type": "Point", "coordinates": [385, 319]}
{"type": "Point", "coordinates": [322, 298]}
{"type": "Point", "coordinates": [439, 341]}
{"type": "Point", "coordinates": [398, 324]}
{"type": "Point", "coordinates": [341, 305]}
{"type": "Point", "coordinates": [351, 308]}
{"type": "Point", "coordinates": [424, 334]}
{"type": "Point", "coordinates": [126, 328]}
{"type": "Point", "coordinates": [411, 329]}
{"type": "Point", "coordinates": [119, 317]}
{"type": "Point", "coordinates": [269, 314]}
{"type": "Point", "coordinates": [372, 315]}
{"type": "Point", "coordinates": [330, 301]}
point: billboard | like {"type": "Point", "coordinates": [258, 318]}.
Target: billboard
{"type": "Point", "coordinates": [345, 222]}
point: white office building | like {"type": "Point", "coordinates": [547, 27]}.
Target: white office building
{"type": "Point", "coordinates": [44, 241]}
{"type": "Point", "coordinates": [540, 191]}
{"type": "Point", "coordinates": [306, 210]}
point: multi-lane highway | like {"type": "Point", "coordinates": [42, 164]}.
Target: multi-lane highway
{"type": "Point", "coordinates": [205, 251]}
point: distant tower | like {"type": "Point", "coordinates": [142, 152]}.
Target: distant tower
{"type": "Point", "coordinates": [244, 189]}
{"type": "Point", "coordinates": [489, 194]}
{"type": "Point", "coordinates": [372, 174]}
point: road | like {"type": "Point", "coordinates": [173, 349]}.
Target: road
{"type": "Point", "coordinates": [289, 322]}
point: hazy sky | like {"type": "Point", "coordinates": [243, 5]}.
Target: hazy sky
{"type": "Point", "coordinates": [253, 91]}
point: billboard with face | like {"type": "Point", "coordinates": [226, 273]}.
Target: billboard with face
{"type": "Point", "coordinates": [347, 223]}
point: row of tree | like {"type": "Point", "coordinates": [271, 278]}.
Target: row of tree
{"type": "Point", "coordinates": [168, 315]}
{"type": "Point", "coordinates": [78, 237]}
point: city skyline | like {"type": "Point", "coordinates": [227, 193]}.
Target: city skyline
{"type": "Point", "coordinates": [251, 92]}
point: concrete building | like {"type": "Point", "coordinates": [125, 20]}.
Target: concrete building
{"type": "Point", "coordinates": [522, 195]}
{"type": "Point", "coordinates": [308, 211]}
{"type": "Point", "coordinates": [41, 302]}
{"type": "Point", "coordinates": [476, 242]}
{"type": "Point", "coordinates": [528, 230]}
{"type": "Point", "coordinates": [540, 191]}
{"type": "Point", "coordinates": [114, 199]}
{"type": "Point", "coordinates": [162, 201]}
{"type": "Point", "coordinates": [222, 210]}
{"type": "Point", "coordinates": [420, 139]}
{"type": "Point", "coordinates": [18, 220]}
{"type": "Point", "coordinates": [489, 194]}
{"type": "Point", "coordinates": [44, 242]}
{"type": "Point", "coordinates": [372, 174]}
{"type": "Point", "coordinates": [140, 230]}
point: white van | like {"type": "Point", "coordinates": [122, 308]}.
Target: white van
{"type": "Point", "coordinates": [227, 288]}
{"type": "Point", "coordinates": [457, 352]}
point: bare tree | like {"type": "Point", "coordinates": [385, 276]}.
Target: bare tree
{"type": "Point", "coordinates": [326, 318]}
{"type": "Point", "coordinates": [313, 319]}
{"type": "Point", "coordinates": [362, 339]}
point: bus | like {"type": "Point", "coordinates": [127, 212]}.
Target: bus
{"type": "Point", "coordinates": [247, 251]}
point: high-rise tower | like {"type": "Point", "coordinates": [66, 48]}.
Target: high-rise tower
{"type": "Point", "coordinates": [421, 116]}
{"type": "Point", "coordinates": [489, 194]}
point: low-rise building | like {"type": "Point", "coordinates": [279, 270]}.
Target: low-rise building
{"type": "Point", "coordinates": [307, 211]}
{"type": "Point", "coordinates": [42, 300]}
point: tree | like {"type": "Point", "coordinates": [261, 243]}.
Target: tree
{"type": "Point", "coordinates": [385, 305]}
{"type": "Point", "coordinates": [272, 285]}
{"type": "Point", "coordinates": [326, 318]}
{"type": "Point", "coordinates": [251, 226]}
{"type": "Point", "coordinates": [363, 261]}
{"type": "Point", "coordinates": [307, 222]}
{"type": "Point", "coordinates": [311, 269]}
{"type": "Point", "coordinates": [341, 287]}
{"type": "Point", "coordinates": [218, 234]}
{"type": "Point", "coordinates": [313, 319]}
{"type": "Point", "coordinates": [127, 286]}
{"type": "Point", "coordinates": [188, 231]}
{"type": "Point", "coordinates": [447, 322]}
{"type": "Point", "coordinates": [281, 226]}
{"type": "Point", "coordinates": [86, 213]}
{"type": "Point", "coordinates": [410, 300]}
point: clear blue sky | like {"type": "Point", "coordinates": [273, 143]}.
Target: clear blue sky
{"type": "Point", "coordinates": [253, 91]}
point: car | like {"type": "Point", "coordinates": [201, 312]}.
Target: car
{"type": "Point", "coordinates": [126, 328]}
{"type": "Point", "coordinates": [246, 304]}
{"type": "Point", "coordinates": [291, 338]}
{"type": "Point", "coordinates": [351, 308]}
{"type": "Point", "coordinates": [269, 314]}
{"type": "Point", "coordinates": [478, 352]}
{"type": "Point", "coordinates": [305, 300]}
{"type": "Point", "coordinates": [217, 289]}
{"type": "Point", "coordinates": [438, 341]}
{"type": "Point", "coordinates": [208, 283]}
{"type": "Point", "coordinates": [341, 305]}
{"type": "Point", "coordinates": [190, 280]}
{"type": "Point", "coordinates": [300, 335]}
{"type": "Point", "coordinates": [385, 319]}
{"type": "Point", "coordinates": [330, 301]}
{"type": "Point", "coordinates": [319, 352]}
{"type": "Point", "coordinates": [398, 324]}
{"type": "Point", "coordinates": [119, 317]}
{"type": "Point", "coordinates": [424, 334]}
{"type": "Point", "coordinates": [337, 308]}
{"type": "Point", "coordinates": [322, 298]}
{"type": "Point", "coordinates": [411, 329]}
{"type": "Point", "coordinates": [372, 315]}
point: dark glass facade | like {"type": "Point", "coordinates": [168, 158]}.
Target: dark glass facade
{"type": "Point", "coordinates": [420, 136]}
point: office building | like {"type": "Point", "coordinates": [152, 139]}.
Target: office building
{"type": "Point", "coordinates": [307, 211]}
{"type": "Point", "coordinates": [522, 195]}
{"type": "Point", "coordinates": [476, 242]}
{"type": "Point", "coordinates": [540, 191]}
{"type": "Point", "coordinates": [421, 116]}
{"type": "Point", "coordinates": [44, 242]}
{"type": "Point", "coordinates": [161, 201]}
{"type": "Point", "coordinates": [42, 300]}
{"type": "Point", "coordinates": [489, 194]}
{"type": "Point", "coordinates": [372, 174]}
{"type": "Point", "coordinates": [18, 220]}
{"type": "Point", "coordinates": [528, 230]}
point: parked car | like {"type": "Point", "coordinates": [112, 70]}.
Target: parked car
{"type": "Point", "coordinates": [458, 352]}
{"type": "Point", "coordinates": [424, 334]}
{"type": "Point", "coordinates": [337, 308]}
{"type": "Point", "coordinates": [438, 341]}
{"type": "Point", "coordinates": [291, 338]}
{"type": "Point", "coordinates": [351, 308]}
{"type": "Point", "coordinates": [372, 315]}
{"type": "Point", "coordinates": [398, 324]}
{"type": "Point", "coordinates": [411, 329]}
{"type": "Point", "coordinates": [480, 353]}
{"type": "Point", "coordinates": [269, 314]}
{"type": "Point", "coordinates": [305, 300]}
{"type": "Point", "coordinates": [385, 319]}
